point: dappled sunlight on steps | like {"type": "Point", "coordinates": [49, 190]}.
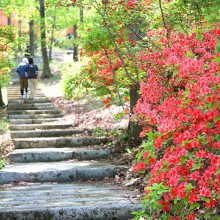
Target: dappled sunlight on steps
{"type": "Point", "coordinates": [49, 160]}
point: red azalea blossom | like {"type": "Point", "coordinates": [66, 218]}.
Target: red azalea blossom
{"type": "Point", "coordinates": [145, 155]}
{"type": "Point", "coordinates": [165, 205]}
{"type": "Point", "coordinates": [210, 204]}
{"type": "Point", "coordinates": [139, 166]}
{"type": "Point", "coordinates": [205, 192]}
{"type": "Point", "coordinates": [190, 217]}
{"type": "Point", "coordinates": [193, 198]}
{"type": "Point", "coordinates": [184, 107]}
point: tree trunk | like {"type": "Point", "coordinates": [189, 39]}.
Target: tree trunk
{"type": "Point", "coordinates": [134, 129]}
{"type": "Point", "coordinates": [1, 98]}
{"type": "Point", "coordinates": [9, 19]}
{"type": "Point", "coordinates": [75, 46]}
{"type": "Point", "coordinates": [19, 33]}
{"type": "Point", "coordinates": [52, 38]}
{"type": "Point", "coordinates": [32, 36]}
{"type": "Point", "coordinates": [46, 68]}
{"type": "Point", "coordinates": [81, 15]}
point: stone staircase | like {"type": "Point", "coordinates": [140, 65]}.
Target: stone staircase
{"type": "Point", "coordinates": [56, 171]}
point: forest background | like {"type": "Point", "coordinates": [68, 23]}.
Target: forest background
{"type": "Point", "coordinates": [158, 60]}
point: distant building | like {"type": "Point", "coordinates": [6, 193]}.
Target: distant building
{"type": "Point", "coordinates": [5, 20]}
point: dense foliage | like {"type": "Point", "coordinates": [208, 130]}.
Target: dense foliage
{"type": "Point", "coordinates": [169, 49]}
{"type": "Point", "coordinates": [6, 39]}
{"type": "Point", "coordinates": [180, 100]}
{"type": "Point", "coordinates": [174, 55]}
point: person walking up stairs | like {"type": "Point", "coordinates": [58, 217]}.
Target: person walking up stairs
{"type": "Point", "coordinates": [23, 81]}
{"type": "Point", "coordinates": [56, 172]}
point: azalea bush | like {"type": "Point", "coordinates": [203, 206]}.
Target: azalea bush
{"type": "Point", "coordinates": [6, 38]}
{"type": "Point", "coordinates": [177, 67]}
{"type": "Point", "coordinates": [179, 110]}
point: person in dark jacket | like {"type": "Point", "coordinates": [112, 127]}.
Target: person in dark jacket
{"type": "Point", "coordinates": [32, 75]}
{"type": "Point", "coordinates": [27, 52]}
{"type": "Point", "coordinates": [23, 81]}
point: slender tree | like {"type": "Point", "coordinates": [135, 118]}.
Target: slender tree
{"type": "Point", "coordinates": [52, 37]}
{"type": "Point", "coordinates": [1, 99]}
{"type": "Point", "coordinates": [19, 32]}
{"type": "Point", "coordinates": [46, 68]}
{"type": "Point", "coordinates": [75, 46]}
{"type": "Point", "coordinates": [31, 36]}
{"type": "Point", "coordinates": [9, 19]}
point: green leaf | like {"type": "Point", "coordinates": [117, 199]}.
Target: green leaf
{"type": "Point", "coordinates": [218, 46]}
{"type": "Point", "coordinates": [196, 166]}
{"type": "Point", "coordinates": [148, 188]}
{"type": "Point", "coordinates": [189, 187]}
{"type": "Point", "coordinates": [194, 206]}
{"type": "Point", "coordinates": [216, 59]}
{"type": "Point", "coordinates": [205, 199]}
{"type": "Point", "coordinates": [189, 54]}
{"type": "Point", "coordinates": [216, 119]}
{"type": "Point", "coordinates": [218, 171]}
{"type": "Point", "coordinates": [207, 215]}
{"type": "Point", "coordinates": [185, 201]}
{"type": "Point", "coordinates": [175, 72]}
{"type": "Point", "coordinates": [199, 36]}
{"type": "Point", "coordinates": [175, 201]}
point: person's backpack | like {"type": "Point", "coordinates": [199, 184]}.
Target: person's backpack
{"type": "Point", "coordinates": [21, 71]}
{"type": "Point", "coordinates": [32, 71]}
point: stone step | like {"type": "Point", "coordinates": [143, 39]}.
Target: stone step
{"type": "Point", "coordinates": [29, 105]}
{"type": "Point", "coordinates": [21, 101]}
{"type": "Point", "coordinates": [20, 116]}
{"type": "Point", "coordinates": [18, 94]}
{"type": "Point", "coordinates": [33, 112]}
{"type": "Point", "coordinates": [16, 90]}
{"type": "Point", "coordinates": [39, 107]}
{"type": "Point", "coordinates": [17, 97]}
{"type": "Point", "coordinates": [79, 201]}
{"type": "Point", "coordinates": [57, 142]}
{"type": "Point", "coordinates": [57, 154]}
{"type": "Point", "coordinates": [47, 133]}
{"type": "Point", "coordinates": [63, 171]}
{"type": "Point", "coordinates": [40, 126]}
{"type": "Point", "coordinates": [31, 121]}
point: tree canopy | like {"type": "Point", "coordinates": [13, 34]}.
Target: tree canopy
{"type": "Point", "coordinates": [163, 57]}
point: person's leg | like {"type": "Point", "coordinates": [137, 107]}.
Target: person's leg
{"type": "Point", "coordinates": [26, 88]}
{"type": "Point", "coordinates": [21, 87]}
{"type": "Point", "coordinates": [35, 87]}
{"type": "Point", "coordinates": [31, 86]}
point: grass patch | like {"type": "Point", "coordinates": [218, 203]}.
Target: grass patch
{"type": "Point", "coordinates": [5, 140]}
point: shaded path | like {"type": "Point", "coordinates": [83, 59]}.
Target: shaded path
{"type": "Point", "coordinates": [49, 160]}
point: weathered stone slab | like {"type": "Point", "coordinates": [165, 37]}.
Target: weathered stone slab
{"type": "Point", "coordinates": [31, 121]}
{"type": "Point", "coordinates": [57, 154]}
{"type": "Point", "coordinates": [57, 171]}
{"type": "Point", "coordinates": [46, 133]}
{"type": "Point", "coordinates": [96, 201]}
{"type": "Point", "coordinates": [40, 126]}
{"type": "Point", "coordinates": [33, 112]}
{"type": "Point", "coordinates": [81, 201]}
{"type": "Point", "coordinates": [18, 96]}
{"type": "Point", "coordinates": [38, 107]}
{"type": "Point", "coordinates": [28, 105]}
{"type": "Point", "coordinates": [20, 116]}
{"type": "Point", "coordinates": [45, 142]}
{"type": "Point", "coordinates": [21, 101]}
